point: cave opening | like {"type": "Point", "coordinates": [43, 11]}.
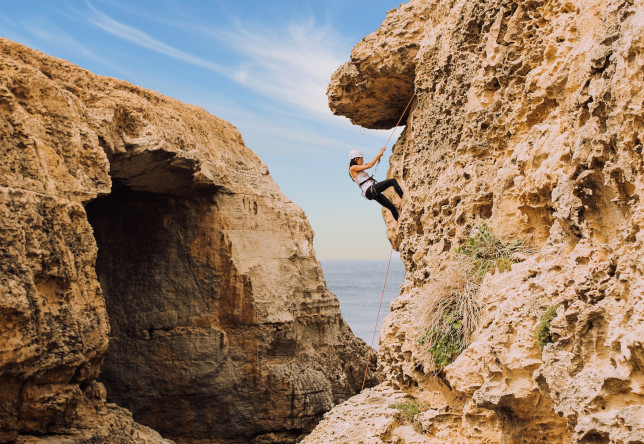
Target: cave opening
{"type": "Point", "coordinates": [162, 297]}
{"type": "Point", "coordinates": [190, 353]}
{"type": "Point", "coordinates": [142, 262]}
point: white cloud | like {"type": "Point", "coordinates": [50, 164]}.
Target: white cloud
{"type": "Point", "coordinates": [289, 137]}
{"type": "Point", "coordinates": [241, 76]}
{"type": "Point", "coordinates": [144, 40]}
{"type": "Point", "coordinates": [291, 65]}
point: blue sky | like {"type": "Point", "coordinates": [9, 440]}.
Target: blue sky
{"type": "Point", "coordinates": [262, 65]}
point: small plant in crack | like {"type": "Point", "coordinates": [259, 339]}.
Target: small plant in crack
{"type": "Point", "coordinates": [542, 333]}
{"type": "Point", "coordinates": [444, 336]}
{"type": "Point", "coordinates": [411, 409]}
{"type": "Point", "coordinates": [487, 252]}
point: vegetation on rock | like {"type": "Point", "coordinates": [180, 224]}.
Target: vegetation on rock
{"type": "Point", "coordinates": [542, 334]}
{"type": "Point", "coordinates": [453, 314]}
{"type": "Point", "coordinates": [488, 252]}
{"type": "Point", "coordinates": [444, 340]}
{"type": "Point", "coordinates": [411, 409]}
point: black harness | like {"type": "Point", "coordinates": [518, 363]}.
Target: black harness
{"type": "Point", "coordinates": [365, 181]}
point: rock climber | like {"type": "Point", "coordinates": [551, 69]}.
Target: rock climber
{"type": "Point", "coordinates": [371, 189]}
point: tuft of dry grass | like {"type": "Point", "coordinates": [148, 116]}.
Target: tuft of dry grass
{"type": "Point", "coordinates": [451, 314]}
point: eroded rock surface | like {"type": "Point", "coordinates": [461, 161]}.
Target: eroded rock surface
{"type": "Point", "coordinates": [219, 321]}
{"type": "Point", "coordinates": [374, 88]}
{"type": "Point", "coordinates": [366, 418]}
{"type": "Point", "coordinates": [527, 116]}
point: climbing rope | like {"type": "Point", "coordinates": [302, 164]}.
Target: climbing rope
{"type": "Point", "coordinates": [394, 130]}
{"type": "Point", "coordinates": [382, 295]}
{"type": "Point", "coordinates": [375, 327]}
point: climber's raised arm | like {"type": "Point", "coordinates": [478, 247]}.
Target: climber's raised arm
{"type": "Point", "coordinates": [365, 166]}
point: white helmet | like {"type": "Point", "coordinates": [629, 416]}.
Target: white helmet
{"type": "Point", "coordinates": [354, 154]}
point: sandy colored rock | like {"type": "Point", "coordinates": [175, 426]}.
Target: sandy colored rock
{"type": "Point", "coordinates": [219, 321]}
{"type": "Point", "coordinates": [528, 117]}
{"type": "Point", "coordinates": [375, 86]}
{"type": "Point", "coordinates": [367, 418]}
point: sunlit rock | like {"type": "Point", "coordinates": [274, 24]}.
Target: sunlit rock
{"type": "Point", "coordinates": [527, 117]}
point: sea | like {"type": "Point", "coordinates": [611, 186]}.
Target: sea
{"type": "Point", "coordinates": [358, 285]}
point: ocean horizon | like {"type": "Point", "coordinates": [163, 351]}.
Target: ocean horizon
{"type": "Point", "coordinates": [358, 285]}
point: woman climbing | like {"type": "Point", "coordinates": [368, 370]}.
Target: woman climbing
{"type": "Point", "coordinates": [370, 188]}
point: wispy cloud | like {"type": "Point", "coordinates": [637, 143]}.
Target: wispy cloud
{"type": "Point", "coordinates": [291, 137]}
{"type": "Point", "coordinates": [290, 65]}
{"type": "Point", "coordinates": [140, 38]}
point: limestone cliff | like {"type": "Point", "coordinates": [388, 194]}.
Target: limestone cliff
{"type": "Point", "coordinates": [527, 123]}
{"type": "Point", "coordinates": [212, 321]}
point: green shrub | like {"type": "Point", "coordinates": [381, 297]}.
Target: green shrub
{"type": "Point", "coordinates": [411, 409]}
{"type": "Point", "coordinates": [542, 334]}
{"type": "Point", "coordinates": [488, 252]}
{"type": "Point", "coordinates": [446, 347]}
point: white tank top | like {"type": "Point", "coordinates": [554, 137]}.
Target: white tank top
{"type": "Point", "coordinates": [362, 177]}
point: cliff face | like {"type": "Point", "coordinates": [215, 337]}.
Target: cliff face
{"type": "Point", "coordinates": [219, 322]}
{"type": "Point", "coordinates": [527, 123]}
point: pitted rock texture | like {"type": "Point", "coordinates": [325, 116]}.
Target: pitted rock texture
{"type": "Point", "coordinates": [366, 418]}
{"type": "Point", "coordinates": [374, 88]}
{"type": "Point", "coordinates": [220, 325]}
{"type": "Point", "coordinates": [527, 116]}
